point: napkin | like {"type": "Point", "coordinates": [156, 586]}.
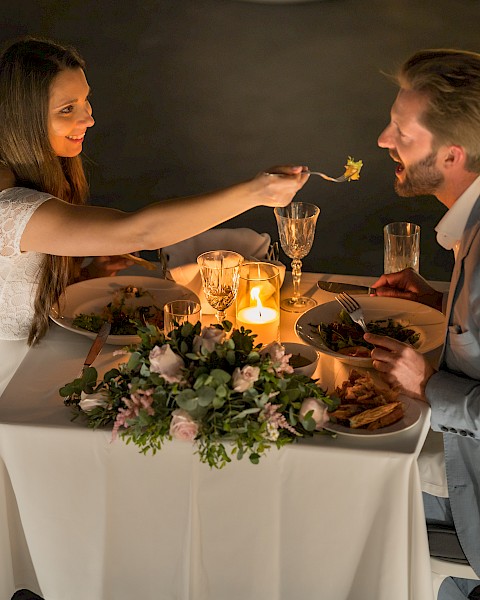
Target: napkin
{"type": "Point", "coordinates": [182, 257]}
{"type": "Point", "coordinates": [246, 242]}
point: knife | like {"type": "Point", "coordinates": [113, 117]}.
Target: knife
{"type": "Point", "coordinates": [97, 345]}
{"type": "Point", "coordinates": [94, 351]}
{"type": "Point", "coordinates": [336, 287]}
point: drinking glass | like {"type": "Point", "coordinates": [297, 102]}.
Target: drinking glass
{"type": "Point", "coordinates": [401, 247]}
{"type": "Point", "coordinates": [296, 228]}
{"type": "Point", "coordinates": [178, 312]}
{"type": "Point", "coordinates": [220, 277]}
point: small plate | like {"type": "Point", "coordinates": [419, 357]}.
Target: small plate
{"type": "Point", "coordinates": [92, 295]}
{"type": "Point", "coordinates": [411, 416]}
{"type": "Point", "coordinates": [427, 321]}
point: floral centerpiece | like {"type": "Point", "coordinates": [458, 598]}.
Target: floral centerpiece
{"type": "Point", "coordinates": [212, 386]}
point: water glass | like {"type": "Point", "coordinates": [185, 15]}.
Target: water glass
{"type": "Point", "coordinates": [401, 247]}
{"type": "Point", "coordinates": [178, 312]}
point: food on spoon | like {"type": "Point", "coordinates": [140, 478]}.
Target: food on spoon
{"type": "Point", "coordinates": [365, 405]}
{"type": "Point", "coordinates": [346, 337]}
{"type": "Point", "coordinates": [352, 169]}
{"type": "Point", "coordinates": [127, 308]}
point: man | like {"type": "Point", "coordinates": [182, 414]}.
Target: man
{"type": "Point", "coordinates": [434, 136]}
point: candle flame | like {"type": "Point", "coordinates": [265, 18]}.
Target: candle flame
{"type": "Point", "coordinates": [255, 296]}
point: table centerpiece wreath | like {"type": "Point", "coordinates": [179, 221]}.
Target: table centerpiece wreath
{"type": "Point", "coordinates": [210, 385]}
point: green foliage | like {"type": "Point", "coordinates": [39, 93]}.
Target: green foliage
{"type": "Point", "coordinates": [231, 397]}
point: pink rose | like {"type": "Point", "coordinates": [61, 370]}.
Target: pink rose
{"type": "Point", "coordinates": [320, 412]}
{"type": "Point", "coordinates": [209, 336]}
{"type": "Point", "coordinates": [182, 426]}
{"type": "Point", "coordinates": [279, 359]}
{"type": "Point", "coordinates": [166, 363]}
{"type": "Point", "coordinates": [243, 379]}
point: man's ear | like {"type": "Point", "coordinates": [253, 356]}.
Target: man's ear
{"type": "Point", "coordinates": [453, 156]}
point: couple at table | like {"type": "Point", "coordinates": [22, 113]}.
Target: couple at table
{"type": "Point", "coordinates": [433, 135]}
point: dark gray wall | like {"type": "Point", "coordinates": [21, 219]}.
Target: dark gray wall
{"type": "Point", "coordinates": [191, 95]}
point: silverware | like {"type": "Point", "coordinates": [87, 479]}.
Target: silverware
{"type": "Point", "coordinates": [94, 351]}
{"type": "Point", "coordinates": [146, 264]}
{"type": "Point", "coordinates": [353, 308]}
{"type": "Point", "coordinates": [340, 179]}
{"type": "Point", "coordinates": [336, 287]}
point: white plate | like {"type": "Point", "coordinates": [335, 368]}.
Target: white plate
{"type": "Point", "coordinates": [411, 416]}
{"type": "Point", "coordinates": [92, 295]}
{"type": "Point", "coordinates": [426, 321]}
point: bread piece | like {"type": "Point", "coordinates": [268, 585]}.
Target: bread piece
{"type": "Point", "coordinates": [373, 414]}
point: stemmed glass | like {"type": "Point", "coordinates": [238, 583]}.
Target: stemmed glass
{"type": "Point", "coordinates": [220, 271]}
{"type": "Point", "coordinates": [296, 227]}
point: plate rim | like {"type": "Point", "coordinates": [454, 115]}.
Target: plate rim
{"type": "Point", "coordinates": [98, 283]}
{"type": "Point", "coordinates": [413, 406]}
{"type": "Point", "coordinates": [360, 361]}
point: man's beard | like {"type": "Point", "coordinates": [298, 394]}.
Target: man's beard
{"type": "Point", "coordinates": [422, 178]}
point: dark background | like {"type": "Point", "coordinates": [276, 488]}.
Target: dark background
{"type": "Point", "coordinates": [192, 95]}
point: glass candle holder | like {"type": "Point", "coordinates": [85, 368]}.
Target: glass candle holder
{"type": "Point", "coordinates": [258, 301]}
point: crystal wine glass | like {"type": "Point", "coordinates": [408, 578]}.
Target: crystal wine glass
{"type": "Point", "coordinates": [220, 271]}
{"type": "Point", "coordinates": [296, 227]}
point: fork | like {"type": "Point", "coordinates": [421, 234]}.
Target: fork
{"type": "Point", "coordinates": [353, 308]}
{"type": "Point", "coordinates": [340, 179]}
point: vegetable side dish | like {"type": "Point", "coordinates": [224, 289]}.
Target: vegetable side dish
{"type": "Point", "coordinates": [364, 405]}
{"type": "Point", "coordinates": [124, 312]}
{"type": "Point", "coordinates": [346, 337]}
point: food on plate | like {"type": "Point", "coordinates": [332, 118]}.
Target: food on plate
{"type": "Point", "coordinates": [127, 308]}
{"type": "Point", "coordinates": [352, 169]}
{"type": "Point", "coordinates": [365, 405]}
{"type": "Point", "coordinates": [346, 337]}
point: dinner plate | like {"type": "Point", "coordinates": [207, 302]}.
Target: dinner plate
{"type": "Point", "coordinates": [426, 321]}
{"type": "Point", "coordinates": [92, 295]}
{"type": "Point", "coordinates": [411, 416]}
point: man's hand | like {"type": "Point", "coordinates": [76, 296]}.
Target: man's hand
{"type": "Point", "coordinates": [401, 365]}
{"type": "Point", "coordinates": [409, 285]}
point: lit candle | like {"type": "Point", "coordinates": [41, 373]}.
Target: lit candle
{"type": "Point", "coordinates": [262, 320]}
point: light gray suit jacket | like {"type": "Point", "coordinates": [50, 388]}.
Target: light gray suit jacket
{"type": "Point", "coordinates": [454, 392]}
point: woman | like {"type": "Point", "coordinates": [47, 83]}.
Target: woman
{"type": "Point", "coordinates": [44, 220]}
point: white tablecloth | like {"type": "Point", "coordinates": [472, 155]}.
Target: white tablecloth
{"type": "Point", "coordinates": [82, 518]}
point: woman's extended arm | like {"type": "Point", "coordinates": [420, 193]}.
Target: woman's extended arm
{"type": "Point", "coordinates": [59, 228]}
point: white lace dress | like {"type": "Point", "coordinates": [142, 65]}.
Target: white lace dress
{"type": "Point", "coordinates": [18, 277]}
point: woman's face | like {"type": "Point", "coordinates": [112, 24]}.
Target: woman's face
{"type": "Point", "coordinates": [69, 112]}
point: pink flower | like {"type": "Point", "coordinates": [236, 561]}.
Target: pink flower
{"type": "Point", "coordinates": [140, 400]}
{"type": "Point", "coordinates": [209, 336]}
{"type": "Point", "coordinates": [279, 359]}
{"type": "Point", "coordinates": [243, 379]}
{"type": "Point", "coordinates": [166, 363]}
{"type": "Point", "coordinates": [182, 426]}
{"type": "Point", "coordinates": [320, 413]}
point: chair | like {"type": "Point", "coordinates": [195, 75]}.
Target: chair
{"type": "Point", "coordinates": [447, 558]}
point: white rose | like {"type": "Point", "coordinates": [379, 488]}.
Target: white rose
{"type": "Point", "coordinates": [182, 426]}
{"type": "Point", "coordinates": [279, 359]}
{"type": "Point", "coordinates": [90, 401]}
{"type": "Point", "coordinates": [320, 412]}
{"type": "Point", "coordinates": [166, 363]}
{"type": "Point", "coordinates": [209, 336]}
{"type": "Point", "coordinates": [243, 379]}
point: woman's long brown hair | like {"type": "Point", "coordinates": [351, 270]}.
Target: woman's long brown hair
{"type": "Point", "coordinates": [27, 69]}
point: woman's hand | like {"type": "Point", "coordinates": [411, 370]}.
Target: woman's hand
{"type": "Point", "coordinates": [105, 266]}
{"type": "Point", "coordinates": [277, 186]}
{"type": "Point", "coordinates": [400, 365]}
{"type": "Point", "coordinates": [409, 285]}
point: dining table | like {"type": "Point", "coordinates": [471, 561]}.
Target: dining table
{"type": "Point", "coordinates": [83, 517]}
